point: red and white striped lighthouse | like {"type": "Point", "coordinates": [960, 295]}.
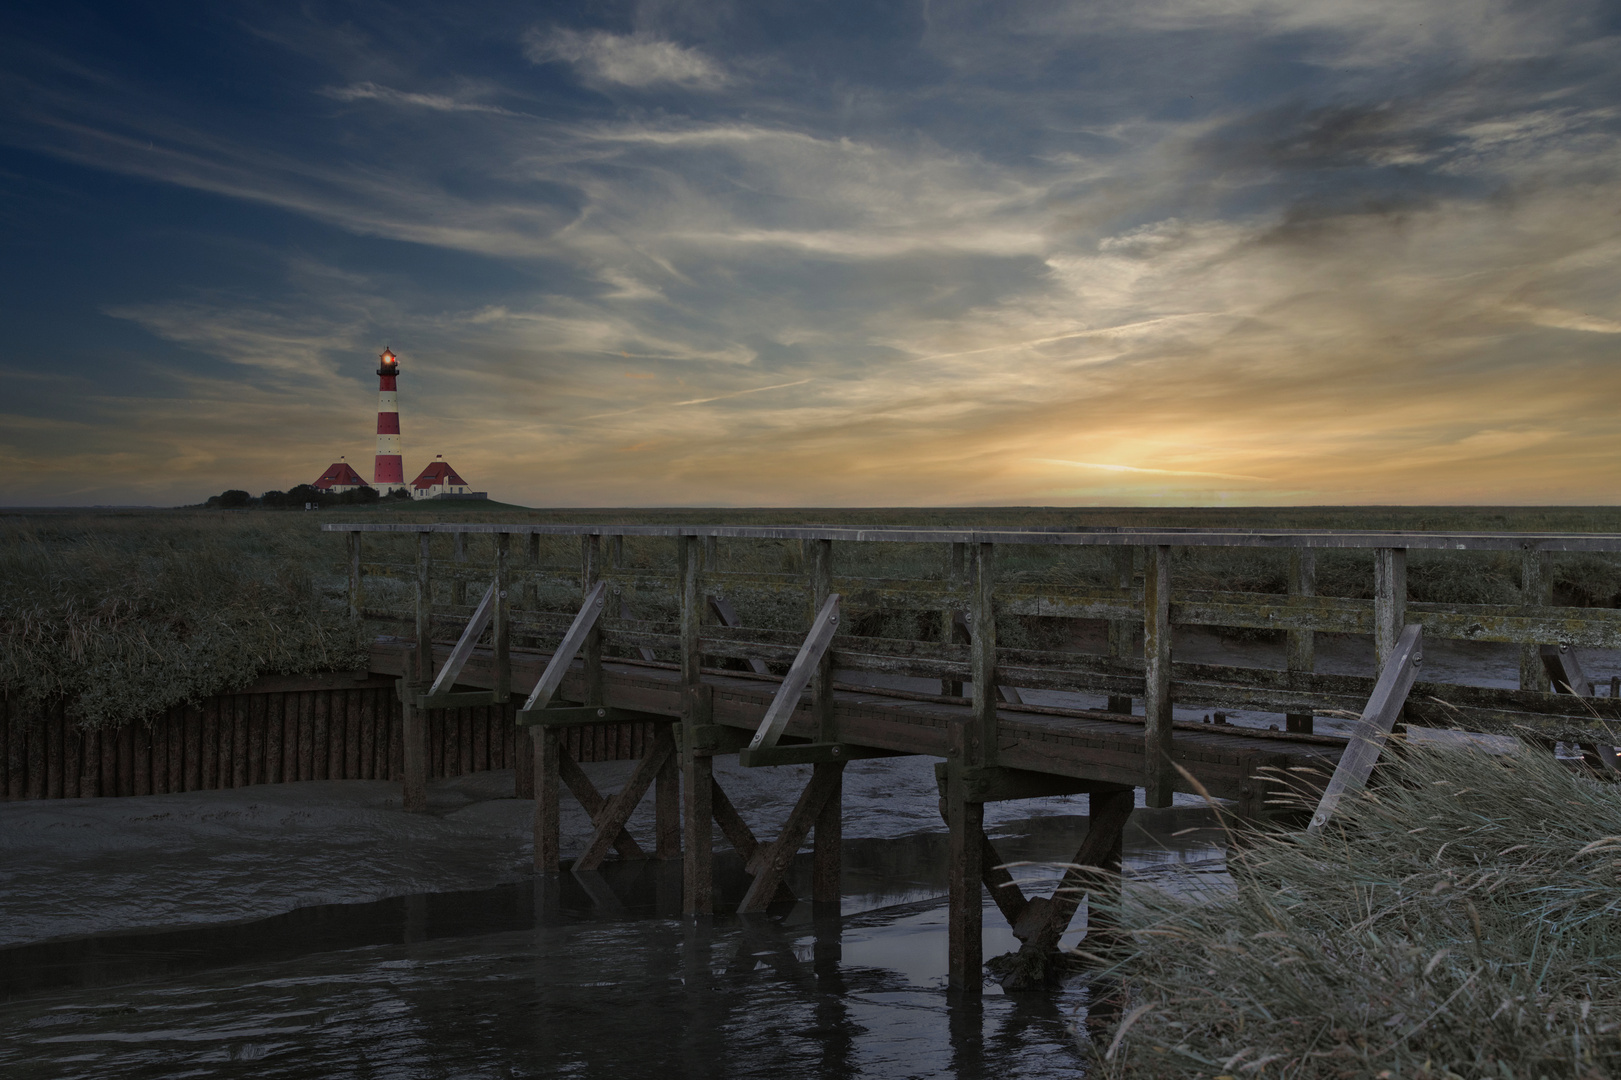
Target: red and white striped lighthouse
{"type": "Point", "coordinates": [389, 474]}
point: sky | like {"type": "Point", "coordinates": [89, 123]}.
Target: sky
{"type": "Point", "coordinates": [1146, 252]}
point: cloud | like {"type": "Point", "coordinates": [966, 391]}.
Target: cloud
{"type": "Point", "coordinates": [637, 60]}
{"type": "Point", "coordinates": [1147, 471]}
{"type": "Point", "coordinates": [368, 91]}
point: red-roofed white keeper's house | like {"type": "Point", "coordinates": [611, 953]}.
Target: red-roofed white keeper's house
{"type": "Point", "coordinates": [440, 481]}
{"type": "Point", "coordinates": [340, 477]}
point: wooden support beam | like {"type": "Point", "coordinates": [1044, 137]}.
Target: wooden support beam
{"type": "Point", "coordinates": [982, 747]}
{"type": "Point", "coordinates": [1010, 899]}
{"type": "Point", "coordinates": [1563, 672]}
{"type": "Point", "coordinates": [595, 804]}
{"type": "Point", "coordinates": [667, 809]}
{"type": "Point", "coordinates": [1389, 601]}
{"type": "Point", "coordinates": [799, 674]}
{"type": "Point", "coordinates": [1096, 867]}
{"type": "Point", "coordinates": [732, 825]}
{"type": "Point", "coordinates": [1302, 644]}
{"type": "Point", "coordinates": [501, 636]}
{"type": "Point", "coordinates": [464, 644]}
{"type": "Point", "coordinates": [1396, 678]}
{"type": "Point", "coordinates": [547, 825]}
{"type": "Point", "coordinates": [827, 858]}
{"type": "Point", "coordinates": [773, 859]}
{"type": "Point", "coordinates": [1536, 588]}
{"type": "Point", "coordinates": [558, 665]}
{"type": "Point", "coordinates": [624, 803]}
{"type": "Point", "coordinates": [1122, 634]}
{"type": "Point", "coordinates": [697, 806]}
{"type": "Point", "coordinates": [1158, 774]}
{"type": "Point", "coordinates": [996, 783]}
{"type": "Point", "coordinates": [414, 737]}
{"type": "Point", "coordinates": [965, 870]}
{"type": "Point", "coordinates": [583, 715]}
{"type": "Point", "coordinates": [531, 591]}
{"type": "Point", "coordinates": [816, 753]}
{"type": "Point", "coordinates": [460, 699]}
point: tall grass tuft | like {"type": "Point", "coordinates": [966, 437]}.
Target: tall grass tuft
{"type": "Point", "coordinates": [1460, 921]}
{"type": "Point", "coordinates": [123, 618]}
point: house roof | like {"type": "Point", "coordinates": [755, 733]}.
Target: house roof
{"type": "Point", "coordinates": [339, 474]}
{"type": "Point", "coordinates": [438, 472]}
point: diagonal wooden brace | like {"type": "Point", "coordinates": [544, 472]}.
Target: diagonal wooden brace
{"type": "Point", "coordinates": [740, 836]}
{"type": "Point", "coordinates": [464, 645]}
{"type": "Point", "coordinates": [620, 807]}
{"type": "Point", "coordinates": [570, 773]}
{"type": "Point", "coordinates": [1004, 890]}
{"type": "Point", "coordinates": [799, 675]}
{"type": "Point", "coordinates": [771, 860]}
{"type": "Point", "coordinates": [1045, 919]}
{"type": "Point", "coordinates": [573, 641]}
{"type": "Point", "coordinates": [1369, 735]}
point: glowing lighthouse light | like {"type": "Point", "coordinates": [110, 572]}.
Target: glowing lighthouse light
{"type": "Point", "coordinates": [388, 476]}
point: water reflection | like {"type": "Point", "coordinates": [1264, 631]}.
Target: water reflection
{"type": "Point", "coordinates": [572, 976]}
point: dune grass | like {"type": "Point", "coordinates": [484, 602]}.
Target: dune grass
{"type": "Point", "coordinates": [1460, 921]}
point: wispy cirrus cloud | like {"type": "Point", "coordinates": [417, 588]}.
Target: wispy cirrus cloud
{"type": "Point", "coordinates": [635, 60]}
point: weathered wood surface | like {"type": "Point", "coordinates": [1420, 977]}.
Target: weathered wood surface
{"type": "Point", "coordinates": [1368, 738]}
{"type": "Point", "coordinates": [1090, 745]}
{"type": "Point", "coordinates": [1056, 536]}
{"type": "Point", "coordinates": [202, 748]}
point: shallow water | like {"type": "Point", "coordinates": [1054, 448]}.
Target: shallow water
{"type": "Point", "coordinates": [575, 975]}
{"type": "Point", "coordinates": [482, 970]}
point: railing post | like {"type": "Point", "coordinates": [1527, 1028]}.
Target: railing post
{"type": "Point", "coordinates": [357, 598]}
{"type": "Point", "coordinates": [1536, 585]}
{"type": "Point", "coordinates": [982, 656]}
{"type": "Point", "coordinates": [1159, 778]}
{"type": "Point", "coordinates": [1302, 646]}
{"type": "Point", "coordinates": [827, 859]}
{"type": "Point", "coordinates": [591, 651]}
{"type": "Point", "coordinates": [697, 762]}
{"type": "Point", "coordinates": [424, 609]}
{"type": "Point", "coordinates": [531, 591]}
{"type": "Point", "coordinates": [458, 588]}
{"type": "Point", "coordinates": [1389, 601]}
{"type": "Point", "coordinates": [957, 578]}
{"type": "Point", "coordinates": [501, 633]}
{"type": "Point", "coordinates": [1122, 634]}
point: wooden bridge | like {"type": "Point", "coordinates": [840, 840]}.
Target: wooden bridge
{"type": "Point", "coordinates": [640, 643]}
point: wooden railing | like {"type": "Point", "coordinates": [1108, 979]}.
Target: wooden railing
{"type": "Point", "coordinates": [963, 589]}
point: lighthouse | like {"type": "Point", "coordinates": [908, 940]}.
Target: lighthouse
{"type": "Point", "coordinates": [389, 474]}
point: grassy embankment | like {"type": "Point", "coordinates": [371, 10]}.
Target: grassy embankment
{"type": "Point", "coordinates": [1462, 922]}
{"type": "Point", "coordinates": [128, 612]}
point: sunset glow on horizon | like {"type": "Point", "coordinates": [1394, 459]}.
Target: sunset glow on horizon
{"type": "Point", "coordinates": [1165, 253]}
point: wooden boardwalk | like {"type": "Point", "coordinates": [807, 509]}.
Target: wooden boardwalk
{"type": "Point", "coordinates": [769, 695]}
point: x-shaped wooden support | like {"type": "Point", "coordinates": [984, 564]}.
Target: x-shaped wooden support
{"type": "Point", "coordinates": [610, 815]}
{"type": "Point", "coordinates": [768, 862]}
{"type": "Point", "coordinates": [1040, 921]}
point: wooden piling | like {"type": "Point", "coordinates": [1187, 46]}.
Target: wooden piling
{"type": "Point", "coordinates": [109, 762]}
{"type": "Point", "coordinates": [321, 735]}
{"type": "Point", "coordinates": [306, 735]}
{"type": "Point", "coordinates": [72, 759]}
{"type": "Point", "coordinates": [351, 734]}
{"type": "Point", "coordinates": [256, 771]}
{"type": "Point", "coordinates": [158, 755]}
{"type": "Point", "coordinates": [1158, 773]}
{"type": "Point", "coordinates": [982, 655]}
{"type": "Point", "coordinates": [697, 762]}
{"type": "Point", "coordinates": [414, 743]}
{"type": "Point", "coordinates": [177, 747]}
{"type": "Point", "coordinates": [126, 760]}
{"type": "Point", "coordinates": [547, 786]}
{"type": "Point", "coordinates": [194, 748]}
{"type": "Point", "coordinates": [964, 868]}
